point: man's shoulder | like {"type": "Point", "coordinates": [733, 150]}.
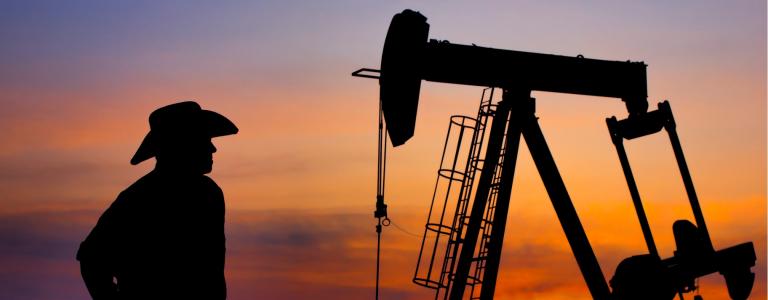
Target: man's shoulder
{"type": "Point", "coordinates": [211, 187]}
{"type": "Point", "coordinates": [145, 183]}
{"type": "Point", "coordinates": [209, 182]}
{"type": "Point", "coordinates": [152, 186]}
{"type": "Point", "coordinates": [137, 190]}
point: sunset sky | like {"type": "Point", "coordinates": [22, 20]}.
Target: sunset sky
{"type": "Point", "coordinates": [78, 80]}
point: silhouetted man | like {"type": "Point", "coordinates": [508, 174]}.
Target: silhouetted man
{"type": "Point", "coordinates": [163, 238]}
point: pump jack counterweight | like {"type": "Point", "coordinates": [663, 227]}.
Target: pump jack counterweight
{"type": "Point", "coordinates": [474, 237]}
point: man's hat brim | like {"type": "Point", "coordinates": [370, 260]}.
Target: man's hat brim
{"type": "Point", "coordinates": [213, 123]}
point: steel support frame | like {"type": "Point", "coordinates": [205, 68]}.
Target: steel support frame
{"type": "Point", "coordinates": [523, 122]}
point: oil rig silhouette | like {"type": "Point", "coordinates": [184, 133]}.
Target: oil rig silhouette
{"type": "Point", "coordinates": [466, 221]}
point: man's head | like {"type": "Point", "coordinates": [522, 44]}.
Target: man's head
{"type": "Point", "coordinates": [180, 137]}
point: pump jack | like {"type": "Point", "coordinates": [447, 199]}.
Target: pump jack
{"type": "Point", "coordinates": [408, 58]}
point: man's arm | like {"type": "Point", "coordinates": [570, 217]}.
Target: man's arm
{"type": "Point", "coordinates": [94, 256]}
{"type": "Point", "coordinates": [217, 246]}
{"type": "Point", "coordinates": [98, 280]}
{"type": "Point", "coordinates": [223, 243]}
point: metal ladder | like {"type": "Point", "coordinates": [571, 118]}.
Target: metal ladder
{"type": "Point", "coordinates": [474, 165]}
{"type": "Point", "coordinates": [446, 226]}
{"type": "Point", "coordinates": [476, 279]}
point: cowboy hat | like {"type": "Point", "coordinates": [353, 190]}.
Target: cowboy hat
{"type": "Point", "coordinates": [178, 120]}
